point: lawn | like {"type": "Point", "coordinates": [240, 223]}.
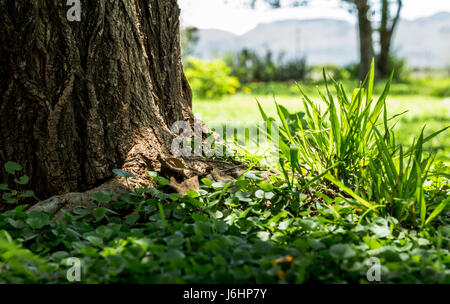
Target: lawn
{"type": "Point", "coordinates": [355, 215]}
{"type": "Point", "coordinates": [241, 110]}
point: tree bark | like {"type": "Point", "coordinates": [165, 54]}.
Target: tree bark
{"type": "Point", "coordinates": [79, 99]}
{"type": "Point", "coordinates": [365, 36]}
{"type": "Point", "coordinates": [386, 31]}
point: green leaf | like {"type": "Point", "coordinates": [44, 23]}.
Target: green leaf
{"type": "Point", "coordinates": [441, 207]}
{"type": "Point", "coordinates": [12, 167]}
{"type": "Point", "coordinates": [192, 193]}
{"type": "Point", "coordinates": [284, 224]}
{"type": "Point", "coordinates": [269, 195]}
{"type": "Point", "coordinates": [217, 214]}
{"type": "Point", "coordinates": [22, 180]}
{"type": "Point", "coordinates": [26, 194]}
{"type": "Point", "coordinates": [80, 211]}
{"type": "Point", "coordinates": [371, 81]}
{"type": "Point", "coordinates": [219, 185]}
{"type": "Point", "coordinates": [162, 181]}
{"type": "Point", "coordinates": [95, 240]}
{"type": "Point", "coordinates": [3, 186]}
{"type": "Point", "coordinates": [104, 231]}
{"type": "Point", "coordinates": [207, 182]}
{"type": "Point", "coordinates": [152, 173]}
{"type": "Point", "coordinates": [202, 228]}
{"type": "Point", "coordinates": [123, 173]}
{"type": "Point", "coordinates": [99, 213]}
{"type": "Point", "coordinates": [245, 213]}
{"type": "Point", "coordinates": [372, 242]}
{"type": "Point", "coordinates": [263, 235]}
{"type": "Point", "coordinates": [175, 254]}
{"type": "Point", "coordinates": [381, 228]}
{"type": "Point", "coordinates": [132, 219]}
{"type": "Point", "coordinates": [194, 202]}
{"type": "Point", "coordinates": [14, 223]}
{"type": "Point", "coordinates": [163, 216]}
{"type": "Point", "coordinates": [342, 251]}
{"type": "Point", "coordinates": [253, 175]}
{"type": "Point", "coordinates": [348, 191]}
{"type": "Point", "coordinates": [102, 197]}
{"type": "Point", "coordinates": [259, 194]}
{"type": "Point", "coordinates": [38, 219]}
{"type": "Point", "coordinates": [58, 255]}
{"type": "Point", "coordinates": [10, 198]}
{"type": "Point", "coordinates": [244, 196]}
{"type": "Point", "coordinates": [265, 186]}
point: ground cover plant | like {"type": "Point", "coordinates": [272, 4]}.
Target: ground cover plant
{"type": "Point", "coordinates": [240, 231]}
{"type": "Point", "coordinates": [346, 196]}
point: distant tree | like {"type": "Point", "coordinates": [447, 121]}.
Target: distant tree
{"type": "Point", "coordinates": [366, 50]}
{"type": "Point", "coordinates": [388, 19]}
{"type": "Point", "coordinates": [189, 39]}
{"type": "Point", "coordinates": [384, 21]}
{"type": "Point", "coordinates": [387, 26]}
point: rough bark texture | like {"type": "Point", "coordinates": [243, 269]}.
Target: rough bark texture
{"type": "Point", "coordinates": [365, 36]}
{"type": "Point", "coordinates": [387, 29]}
{"type": "Point", "coordinates": [79, 99]}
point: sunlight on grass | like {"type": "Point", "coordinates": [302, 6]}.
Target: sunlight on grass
{"type": "Point", "coordinates": [241, 111]}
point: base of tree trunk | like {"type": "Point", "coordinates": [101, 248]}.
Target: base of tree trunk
{"type": "Point", "coordinates": [184, 173]}
{"type": "Point", "coordinates": [79, 99]}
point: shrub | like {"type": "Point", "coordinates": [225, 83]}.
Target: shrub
{"type": "Point", "coordinates": [249, 66]}
{"type": "Point", "coordinates": [401, 71]}
{"type": "Point", "coordinates": [210, 79]}
{"type": "Point", "coordinates": [353, 69]}
{"type": "Point", "coordinates": [336, 72]}
{"type": "Point", "coordinates": [292, 70]}
{"type": "Point", "coordinates": [344, 146]}
{"type": "Point", "coordinates": [400, 66]}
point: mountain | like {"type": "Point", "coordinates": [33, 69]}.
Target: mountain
{"type": "Point", "coordinates": [424, 42]}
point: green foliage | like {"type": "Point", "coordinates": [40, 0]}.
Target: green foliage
{"type": "Point", "coordinates": [189, 39]}
{"type": "Point", "coordinates": [210, 79]}
{"type": "Point", "coordinates": [402, 72]}
{"type": "Point", "coordinates": [14, 196]}
{"type": "Point", "coordinates": [397, 179]}
{"type": "Point", "coordinates": [339, 137]}
{"type": "Point", "coordinates": [344, 146]}
{"type": "Point", "coordinates": [400, 66]}
{"type": "Point", "coordinates": [321, 222]}
{"type": "Point", "coordinates": [18, 265]}
{"type": "Point", "coordinates": [411, 87]}
{"type": "Point", "coordinates": [248, 66]}
{"type": "Point", "coordinates": [336, 72]}
{"type": "Point", "coordinates": [247, 230]}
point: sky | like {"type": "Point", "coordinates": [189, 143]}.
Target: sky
{"type": "Point", "coordinates": [235, 17]}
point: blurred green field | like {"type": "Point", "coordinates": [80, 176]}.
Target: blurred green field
{"type": "Point", "coordinates": [426, 101]}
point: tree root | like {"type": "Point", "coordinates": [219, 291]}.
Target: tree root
{"type": "Point", "coordinates": [184, 175]}
{"type": "Point", "coordinates": [59, 204]}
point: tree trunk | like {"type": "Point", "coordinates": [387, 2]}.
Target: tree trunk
{"type": "Point", "coordinates": [365, 37]}
{"type": "Point", "coordinates": [384, 60]}
{"type": "Point", "coordinates": [79, 99]}
{"type": "Point", "coordinates": [387, 28]}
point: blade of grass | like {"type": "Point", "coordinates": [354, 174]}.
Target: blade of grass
{"type": "Point", "coordinates": [347, 190]}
